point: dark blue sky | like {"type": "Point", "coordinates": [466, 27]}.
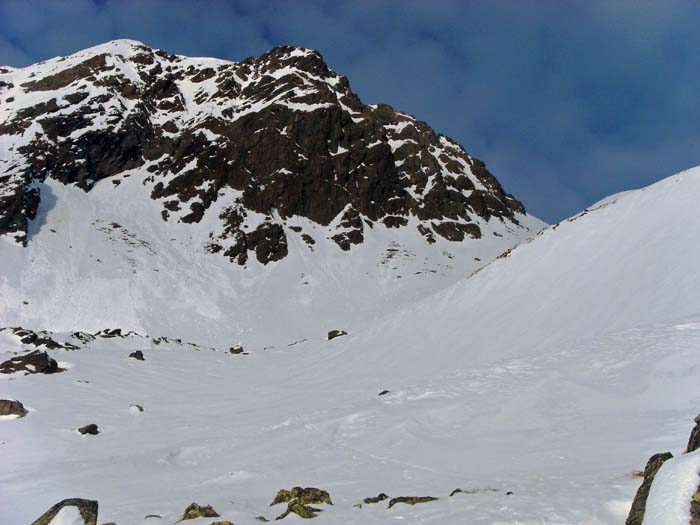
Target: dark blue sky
{"type": "Point", "coordinates": [566, 101]}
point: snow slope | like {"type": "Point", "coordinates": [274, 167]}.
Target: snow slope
{"type": "Point", "coordinates": [553, 373]}
{"type": "Point", "coordinates": [107, 259]}
{"type": "Point", "coordinates": [627, 263]}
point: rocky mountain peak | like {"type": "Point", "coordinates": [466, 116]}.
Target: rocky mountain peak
{"type": "Point", "coordinates": [266, 139]}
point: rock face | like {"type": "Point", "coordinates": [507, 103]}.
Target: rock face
{"type": "Point", "coordinates": [35, 362]}
{"type": "Point", "coordinates": [267, 138]}
{"type": "Point", "coordinates": [9, 407]}
{"type": "Point", "coordinates": [87, 508]}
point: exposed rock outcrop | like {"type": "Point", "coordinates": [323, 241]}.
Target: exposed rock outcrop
{"type": "Point", "coordinates": [271, 137]}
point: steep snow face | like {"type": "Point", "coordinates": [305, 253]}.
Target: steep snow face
{"type": "Point", "coordinates": [629, 262]}
{"type": "Point", "coordinates": [510, 385]}
{"type": "Point", "coordinates": [106, 259]}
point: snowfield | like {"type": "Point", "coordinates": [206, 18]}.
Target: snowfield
{"type": "Point", "coordinates": [106, 259]}
{"type": "Point", "coordinates": [538, 385]}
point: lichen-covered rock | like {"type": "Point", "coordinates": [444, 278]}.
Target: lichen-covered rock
{"type": "Point", "coordinates": [195, 510]}
{"type": "Point", "coordinates": [376, 499]}
{"type": "Point", "coordinates": [36, 362]}
{"type": "Point", "coordinates": [336, 333]}
{"type": "Point", "coordinates": [9, 407]}
{"type": "Point", "coordinates": [410, 500]}
{"type": "Point", "coordinates": [90, 429]}
{"type": "Point", "coordinates": [636, 514]}
{"type": "Point", "coordinates": [221, 523]}
{"type": "Point", "coordinates": [298, 500]}
{"type": "Point", "coordinates": [306, 496]}
{"type": "Point", "coordinates": [87, 508]}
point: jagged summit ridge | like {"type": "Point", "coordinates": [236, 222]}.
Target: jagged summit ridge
{"type": "Point", "coordinates": [268, 138]}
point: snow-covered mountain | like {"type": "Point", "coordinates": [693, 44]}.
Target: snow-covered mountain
{"type": "Point", "coordinates": [538, 387]}
{"type": "Point", "coordinates": [528, 388]}
{"type": "Point", "coordinates": [258, 201]}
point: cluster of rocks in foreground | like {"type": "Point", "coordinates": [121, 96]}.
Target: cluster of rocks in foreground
{"type": "Point", "coordinates": [299, 501]}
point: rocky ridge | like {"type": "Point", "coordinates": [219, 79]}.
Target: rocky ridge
{"type": "Point", "coordinates": [267, 138]}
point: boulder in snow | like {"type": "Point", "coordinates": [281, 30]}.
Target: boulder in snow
{"type": "Point", "coordinates": [194, 510]}
{"type": "Point", "coordinates": [89, 429]}
{"type": "Point", "coordinates": [308, 495]}
{"type": "Point", "coordinates": [138, 354]}
{"type": "Point", "coordinates": [336, 333]}
{"type": "Point", "coordinates": [9, 407]}
{"type": "Point", "coordinates": [35, 362]}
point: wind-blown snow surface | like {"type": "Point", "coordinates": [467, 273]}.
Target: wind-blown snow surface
{"type": "Point", "coordinates": [552, 373]}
